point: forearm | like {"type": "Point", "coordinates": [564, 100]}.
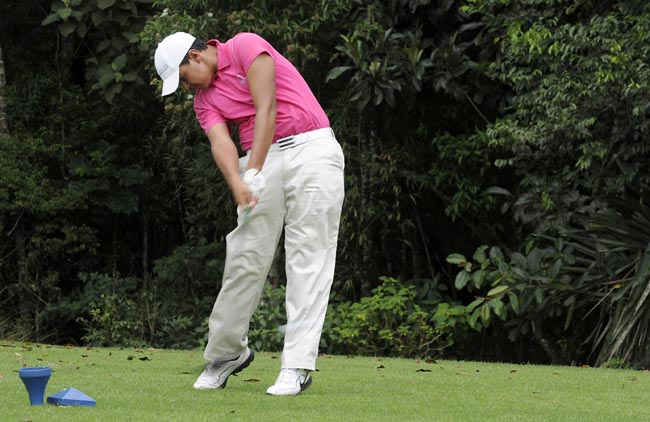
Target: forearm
{"type": "Point", "coordinates": [262, 137]}
{"type": "Point", "coordinates": [224, 153]}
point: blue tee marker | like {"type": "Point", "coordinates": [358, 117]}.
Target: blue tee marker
{"type": "Point", "coordinates": [35, 379]}
{"type": "Point", "coordinates": [71, 397]}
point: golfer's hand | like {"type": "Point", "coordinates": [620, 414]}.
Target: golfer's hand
{"type": "Point", "coordinates": [256, 183]}
{"type": "Point", "coordinates": [241, 193]}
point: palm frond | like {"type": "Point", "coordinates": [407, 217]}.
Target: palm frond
{"type": "Point", "coordinates": [613, 260]}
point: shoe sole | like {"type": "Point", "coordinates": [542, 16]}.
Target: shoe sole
{"type": "Point", "coordinates": [240, 368]}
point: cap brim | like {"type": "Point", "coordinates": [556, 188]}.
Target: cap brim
{"type": "Point", "coordinates": [170, 84]}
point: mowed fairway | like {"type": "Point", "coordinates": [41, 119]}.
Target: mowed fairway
{"type": "Point", "coordinates": [156, 385]}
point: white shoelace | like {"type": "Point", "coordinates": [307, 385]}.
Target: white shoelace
{"type": "Point", "coordinates": [286, 375]}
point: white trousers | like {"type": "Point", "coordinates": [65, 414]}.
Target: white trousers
{"type": "Point", "coordinates": [304, 194]}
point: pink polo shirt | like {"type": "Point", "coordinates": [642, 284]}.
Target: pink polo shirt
{"type": "Point", "coordinates": [228, 99]}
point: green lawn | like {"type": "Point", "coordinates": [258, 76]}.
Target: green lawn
{"type": "Point", "coordinates": [156, 385]}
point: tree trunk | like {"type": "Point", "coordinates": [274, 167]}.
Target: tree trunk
{"type": "Point", "coordinates": [367, 245]}
{"type": "Point", "coordinates": [3, 112]}
{"type": "Point", "coordinates": [24, 300]}
{"type": "Point", "coordinates": [145, 249]}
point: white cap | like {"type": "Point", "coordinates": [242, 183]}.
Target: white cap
{"type": "Point", "coordinates": [170, 53]}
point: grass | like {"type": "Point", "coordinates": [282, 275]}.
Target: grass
{"type": "Point", "coordinates": [156, 385]}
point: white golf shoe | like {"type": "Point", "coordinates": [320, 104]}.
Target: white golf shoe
{"type": "Point", "coordinates": [290, 382]}
{"type": "Point", "coordinates": [216, 373]}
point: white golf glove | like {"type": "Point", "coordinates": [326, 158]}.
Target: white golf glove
{"type": "Point", "coordinates": [256, 182]}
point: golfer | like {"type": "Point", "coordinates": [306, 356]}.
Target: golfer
{"type": "Point", "coordinates": [291, 178]}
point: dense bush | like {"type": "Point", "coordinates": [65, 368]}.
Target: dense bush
{"type": "Point", "coordinates": [582, 297]}
{"type": "Point", "coordinates": [392, 321]}
{"type": "Point", "coordinates": [529, 296]}
{"type": "Point", "coordinates": [266, 328]}
{"type": "Point", "coordinates": [114, 312]}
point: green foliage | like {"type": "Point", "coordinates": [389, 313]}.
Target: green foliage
{"type": "Point", "coordinates": [458, 158]}
{"type": "Point", "coordinates": [191, 275]}
{"type": "Point", "coordinates": [96, 178]}
{"type": "Point", "coordinates": [531, 293]}
{"type": "Point", "coordinates": [265, 329]}
{"type": "Point", "coordinates": [451, 319]}
{"type": "Point", "coordinates": [409, 74]}
{"type": "Point", "coordinates": [166, 311]}
{"type": "Point", "coordinates": [615, 267]}
{"type": "Point", "coordinates": [595, 278]}
{"type": "Point", "coordinates": [39, 245]}
{"type": "Point", "coordinates": [199, 266]}
{"type": "Point", "coordinates": [60, 185]}
{"type": "Point", "coordinates": [24, 186]}
{"type": "Point", "coordinates": [109, 28]}
{"type": "Point", "coordinates": [574, 134]}
{"type": "Point", "coordinates": [113, 315]}
{"type": "Point", "coordinates": [577, 119]}
{"type": "Point", "coordinates": [507, 287]}
{"type": "Point", "coordinates": [391, 322]}
{"type": "Point", "coordinates": [385, 63]}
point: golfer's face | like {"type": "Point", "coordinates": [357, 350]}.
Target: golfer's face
{"type": "Point", "coordinates": [194, 75]}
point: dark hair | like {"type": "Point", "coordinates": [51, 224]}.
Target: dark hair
{"type": "Point", "coordinates": [196, 45]}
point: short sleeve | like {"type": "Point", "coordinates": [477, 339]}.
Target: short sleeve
{"type": "Point", "coordinates": [207, 114]}
{"type": "Point", "coordinates": [247, 46]}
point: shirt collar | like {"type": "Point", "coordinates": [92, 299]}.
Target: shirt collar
{"type": "Point", "coordinates": [223, 57]}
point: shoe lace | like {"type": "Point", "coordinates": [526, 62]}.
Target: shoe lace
{"type": "Point", "coordinates": [289, 376]}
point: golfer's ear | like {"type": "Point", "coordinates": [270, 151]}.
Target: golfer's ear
{"type": "Point", "coordinates": [194, 54]}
